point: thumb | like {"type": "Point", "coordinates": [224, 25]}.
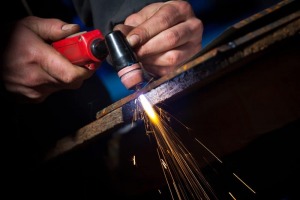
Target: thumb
{"type": "Point", "coordinates": [50, 29]}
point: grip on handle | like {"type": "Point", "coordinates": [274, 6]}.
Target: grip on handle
{"type": "Point", "coordinates": [78, 48]}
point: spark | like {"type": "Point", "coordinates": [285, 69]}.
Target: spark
{"type": "Point", "coordinates": [181, 171]}
{"type": "Point", "coordinates": [232, 196]}
{"type": "Point", "coordinates": [182, 174]}
{"type": "Point", "coordinates": [133, 160]}
{"type": "Point", "coordinates": [236, 176]}
{"type": "Point", "coordinates": [164, 164]}
{"type": "Point", "coordinates": [244, 183]}
{"type": "Point", "coordinates": [149, 109]}
{"type": "Point", "coordinates": [207, 149]}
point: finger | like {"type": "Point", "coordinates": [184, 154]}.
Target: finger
{"type": "Point", "coordinates": [50, 29]}
{"type": "Point", "coordinates": [60, 68]}
{"type": "Point", "coordinates": [165, 17]}
{"type": "Point", "coordinates": [36, 93]}
{"type": "Point", "coordinates": [144, 14]}
{"type": "Point", "coordinates": [125, 29]}
{"type": "Point", "coordinates": [189, 31]}
{"type": "Point", "coordinates": [24, 94]}
{"type": "Point", "coordinates": [44, 65]}
{"type": "Point", "coordinates": [164, 63]}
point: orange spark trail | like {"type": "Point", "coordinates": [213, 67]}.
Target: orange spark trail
{"type": "Point", "coordinates": [181, 171]}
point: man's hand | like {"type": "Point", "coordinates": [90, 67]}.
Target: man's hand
{"type": "Point", "coordinates": [164, 35]}
{"type": "Point", "coordinates": [32, 69]}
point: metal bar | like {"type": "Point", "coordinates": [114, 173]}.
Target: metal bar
{"type": "Point", "coordinates": [192, 75]}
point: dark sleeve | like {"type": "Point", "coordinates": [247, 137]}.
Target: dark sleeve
{"type": "Point", "coordinates": [105, 14]}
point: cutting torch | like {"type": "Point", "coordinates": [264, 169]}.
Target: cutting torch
{"type": "Point", "coordinates": [90, 48]}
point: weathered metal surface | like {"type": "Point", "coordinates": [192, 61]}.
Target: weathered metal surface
{"type": "Point", "coordinates": [86, 133]}
{"type": "Point", "coordinates": [192, 75]}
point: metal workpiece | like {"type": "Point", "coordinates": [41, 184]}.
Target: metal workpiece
{"type": "Point", "coordinates": [199, 72]}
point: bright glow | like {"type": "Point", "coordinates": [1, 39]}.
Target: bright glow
{"type": "Point", "coordinates": [183, 176]}
{"type": "Point", "coordinates": [149, 109]}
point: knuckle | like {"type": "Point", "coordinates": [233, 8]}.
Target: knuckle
{"type": "Point", "coordinates": [173, 58]}
{"type": "Point", "coordinates": [196, 24]}
{"type": "Point", "coordinates": [72, 80]}
{"type": "Point", "coordinates": [32, 54]}
{"type": "Point", "coordinates": [28, 19]}
{"type": "Point", "coordinates": [173, 37]}
{"type": "Point", "coordinates": [34, 96]}
{"type": "Point", "coordinates": [69, 78]}
{"type": "Point", "coordinates": [186, 7]}
{"type": "Point", "coordinates": [165, 19]}
{"type": "Point", "coordinates": [132, 20]}
{"type": "Point", "coordinates": [32, 79]}
{"type": "Point", "coordinates": [143, 34]}
{"type": "Point", "coordinates": [162, 72]}
{"type": "Point", "coordinates": [37, 98]}
{"type": "Point", "coordinates": [30, 22]}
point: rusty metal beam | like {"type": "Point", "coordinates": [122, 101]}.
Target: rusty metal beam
{"type": "Point", "coordinates": [204, 68]}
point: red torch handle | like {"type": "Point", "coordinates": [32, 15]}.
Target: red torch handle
{"type": "Point", "coordinates": [78, 48]}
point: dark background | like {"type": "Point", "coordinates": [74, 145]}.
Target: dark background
{"type": "Point", "coordinates": [92, 172]}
